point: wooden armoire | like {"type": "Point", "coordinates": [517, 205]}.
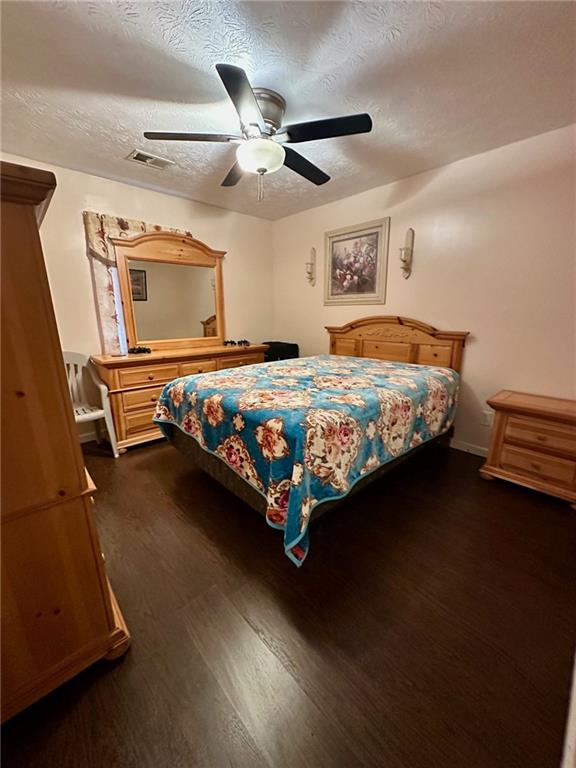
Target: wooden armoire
{"type": "Point", "coordinates": [59, 614]}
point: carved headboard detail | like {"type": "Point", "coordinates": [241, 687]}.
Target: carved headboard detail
{"type": "Point", "coordinates": [390, 337]}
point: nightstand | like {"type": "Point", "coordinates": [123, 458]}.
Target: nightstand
{"type": "Point", "coordinates": [533, 443]}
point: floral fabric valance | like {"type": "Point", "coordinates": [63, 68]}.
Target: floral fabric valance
{"type": "Point", "coordinates": [98, 228]}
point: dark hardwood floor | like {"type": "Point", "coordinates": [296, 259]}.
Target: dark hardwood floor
{"type": "Point", "coordinates": [432, 625]}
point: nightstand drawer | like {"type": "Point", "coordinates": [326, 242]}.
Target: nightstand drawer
{"type": "Point", "coordinates": [141, 398]}
{"type": "Point", "coordinates": [131, 377]}
{"type": "Point", "coordinates": [525, 462]}
{"type": "Point", "coordinates": [199, 366]}
{"type": "Point", "coordinates": [544, 435]}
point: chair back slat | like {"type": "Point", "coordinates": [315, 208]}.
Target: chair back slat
{"type": "Point", "coordinates": [75, 365]}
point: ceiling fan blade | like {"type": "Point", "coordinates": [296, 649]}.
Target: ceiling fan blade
{"type": "Point", "coordinates": [327, 129]}
{"type": "Point", "coordinates": [234, 175]}
{"type": "Point", "coordinates": [242, 95]}
{"type": "Point", "coordinates": [296, 162]}
{"type": "Point", "coordinates": [160, 136]}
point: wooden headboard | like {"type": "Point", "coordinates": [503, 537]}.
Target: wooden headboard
{"type": "Point", "coordinates": [389, 337]}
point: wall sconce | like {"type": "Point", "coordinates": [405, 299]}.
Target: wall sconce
{"type": "Point", "coordinates": [407, 254]}
{"type": "Point", "coordinates": [311, 267]}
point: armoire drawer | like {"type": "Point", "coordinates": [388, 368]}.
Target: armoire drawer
{"type": "Point", "coordinates": [131, 377]}
{"type": "Point", "coordinates": [543, 435]}
{"type": "Point", "coordinates": [548, 468]}
{"type": "Point", "coordinates": [198, 366]}
{"type": "Point", "coordinates": [141, 398]}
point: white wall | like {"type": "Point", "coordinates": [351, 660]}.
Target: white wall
{"type": "Point", "coordinates": [495, 255]}
{"type": "Point", "coordinates": [495, 251]}
{"type": "Point", "coordinates": [247, 240]}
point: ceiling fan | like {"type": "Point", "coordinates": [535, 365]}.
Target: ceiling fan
{"type": "Point", "coordinates": [262, 142]}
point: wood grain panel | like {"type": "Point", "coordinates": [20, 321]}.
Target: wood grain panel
{"type": "Point", "coordinates": [36, 409]}
{"type": "Point", "coordinates": [434, 354]}
{"type": "Point", "coordinates": [388, 350]}
{"type": "Point", "coordinates": [198, 366]}
{"type": "Point", "coordinates": [146, 374]}
{"type": "Point", "coordinates": [140, 421]}
{"type": "Point", "coordinates": [400, 339]}
{"type": "Point", "coordinates": [560, 438]}
{"type": "Point", "coordinates": [350, 347]}
{"type": "Point", "coordinates": [47, 573]}
{"type": "Point", "coordinates": [552, 468]}
{"type": "Point", "coordinates": [137, 399]}
{"type": "Point", "coordinates": [237, 362]}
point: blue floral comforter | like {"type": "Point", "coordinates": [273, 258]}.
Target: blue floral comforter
{"type": "Point", "coordinates": [304, 431]}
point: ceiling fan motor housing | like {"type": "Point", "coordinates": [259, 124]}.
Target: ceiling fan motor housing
{"type": "Point", "coordinates": [272, 106]}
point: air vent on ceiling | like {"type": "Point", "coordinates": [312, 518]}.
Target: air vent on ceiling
{"type": "Point", "coordinates": [152, 161]}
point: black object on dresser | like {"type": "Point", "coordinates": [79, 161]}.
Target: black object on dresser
{"type": "Point", "coordinates": [280, 350]}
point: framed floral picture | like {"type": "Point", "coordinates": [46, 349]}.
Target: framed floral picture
{"type": "Point", "coordinates": [138, 285]}
{"type": "Point", "coordinates": [356, 264]}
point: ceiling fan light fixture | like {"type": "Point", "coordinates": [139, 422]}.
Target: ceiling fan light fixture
{"type": "Point", "coordinates": [260, 156]}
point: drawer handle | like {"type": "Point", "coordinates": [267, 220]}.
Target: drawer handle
{"type": "Point", "coordinates": [153, 399]}
{"type": "Point", "coordinates": [536, 466]}
{"type": "Point", "coordinates": [541, 438]}
{"type": "Point", "coordinates": [151, 377]}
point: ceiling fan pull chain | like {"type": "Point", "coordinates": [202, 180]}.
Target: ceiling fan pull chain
{"type": "Point", "coordinates": [260, 186]}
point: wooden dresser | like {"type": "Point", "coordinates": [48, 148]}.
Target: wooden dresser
{"type": "Point", "coordinates": [58, 612]}
{"type": "Point", "coordinates": [533, 443]}
{"type": "Point", "coordinates": [136, 381]}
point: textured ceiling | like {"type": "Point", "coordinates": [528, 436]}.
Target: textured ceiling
{"type": "Point", "coordinates": [442, 81]}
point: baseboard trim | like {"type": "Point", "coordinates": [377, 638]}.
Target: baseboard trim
{"type": "Point", "coordinates": [460, 445]}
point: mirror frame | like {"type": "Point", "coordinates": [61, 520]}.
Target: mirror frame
{"type": "Point", "coordinates": [169, 248]}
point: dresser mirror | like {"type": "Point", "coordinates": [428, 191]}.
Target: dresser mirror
{"type": "Point", "coordinates": [171, 289]}
{"type": "Point", "coordinates": [171, 301]}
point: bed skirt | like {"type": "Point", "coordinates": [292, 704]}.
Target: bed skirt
{"type": "Point", "coordinates": [220, 472]}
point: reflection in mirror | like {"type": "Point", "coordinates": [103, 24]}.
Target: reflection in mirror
{"type": "Point", "coordinates": [171, 301]}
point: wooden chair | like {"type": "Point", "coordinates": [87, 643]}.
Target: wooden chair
{"type": "Point", "coordinates": [76, 365]}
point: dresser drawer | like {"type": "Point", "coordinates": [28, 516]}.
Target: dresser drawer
{"type": "Point", "coordinates": [198, 366]}
{"type": "Point", "coordinates": [131, 377]}
{"type": "Point", "coordinates": [549, 468]}
{"type": "Point", "coordinates": [236, 362]}
{"type": "Point", "coordinates": [545, 435]}
{"type": "Point", "coordinates": [140, 421]}
{"type": "Point", "coordinates": [141, 398]}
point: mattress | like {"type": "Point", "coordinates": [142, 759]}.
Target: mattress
{"type": "Point", "coordinates": [303, 432]}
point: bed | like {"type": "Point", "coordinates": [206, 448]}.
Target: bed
{"type": "Point", "coordinates": [295, 437]}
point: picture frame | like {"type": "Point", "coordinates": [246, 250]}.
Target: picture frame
{"type": "Point", "coordinates": [356, 263]}
{"type": "Point", "coordinates": [138, 285]}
